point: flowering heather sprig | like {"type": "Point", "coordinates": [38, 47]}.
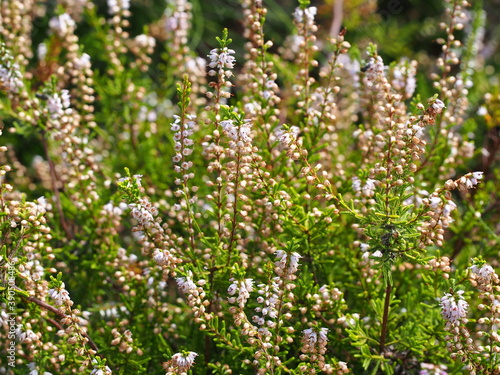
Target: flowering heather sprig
{"type": "Point", "coordinates": [118, 6]}
{"type": "Point", "coordinates": [483, 276]}
{"type": "Point", "coordinates": [142, 46]}
{"type": "Point", "coordinates": [17, 20]}
{"type": "Point", "coordinates": [196, 297]}
{"type": "Point", "coordinates": [306, 28]}
{"type": "Point", "coordinates": [150, 233]}
{"type": "Point", "coordinates": [454, 308]}
{"type": "Point", "coordinates": [10, 75]}
{"type": "Point", "coordinates": [183, 129]}
{"type": "Point", "coordinates": [100, 368]}
{"type": "Point", "coordinates": [59, 104]}
{"type": "Point", "coordinates": [177, 27]}
{"type": "Point", "coordinates": [60, 295]}
{"type": "Point", "coordinates": [431, 369]}
{"type": "Point", "coordinates": [366, 190]}
{"type": "Point", "coordinates": [62, 25]}
{"type": "Point", "coordinates": [439, 219]}
{"type": "Point", "coordinates": [258, 75]}
{"type": "Point", "coordinates": [314, 342]}
{"type": "Point", "coordinates": [404, 77]}
{"type": "Point", "coordinates": [180, 363]}
{"type": "Point", "coordinates": [242, 288]}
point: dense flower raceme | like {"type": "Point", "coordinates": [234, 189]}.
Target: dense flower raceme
{"type": "Point", "coordinates": [221, 59]}
{"type": "Point", "coordinates": [305, 15]}
{"type": "Point", "coordinates": [242, 288]}
{"type": "Point", "coordinates": [454, 307]}
{"type": "Point", "coordinates": [314, 341]}
{"type": "Point", "coordinates": [483, 275]}
{"type": "Point", "coordinates": [62, 25]}
{"type": "Point", "coordinates": [183, 143]}
{"type": "Point", "coordinates": [58, 104]}
{"type": "Point", "coordinates": [116, 6]}
{"type": "Point", "coordinates": [60, 295]}
{"type": "Point", "coordinates": [180, 363]}
{"type": "Point", "coordinates": [34, 370]}
{"type": "Point", "coordinates": [10, 75]}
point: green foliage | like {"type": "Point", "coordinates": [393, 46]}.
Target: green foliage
{"type": "Point", "coordinates": [272, 200]}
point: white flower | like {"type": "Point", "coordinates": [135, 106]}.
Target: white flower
{"type": "Point", "coordinates": [10, 75]}
{"type": "Point", "coordinates": [483, 274]}
{"type": "Point", "coordinates": [305, 15]}
{"type": "Point", "coordinates": [162, 257]}
{"type": "Point", "coordinates": [431, 369]}
{"type": "Point", "coordinates": [454, 307]}
{"type": "Point", "coordinates": [186, 284]}
{"type": "Point", "coordinates": [183, 362]}
{"type": "Point", "coordinates": [364, 246]}
{"type": "Point", "coordinates": [222, 58]}
{"type": "Point", "coordinates": [59, 295]}
{"type": "Point", "coordinates": [145, 41]}
{"type": "Point", "coordinates": [83, 62]}
{"type": "Point", "coordinates": [57, 104]}
{"type": "Point", "coordinates": [367, 190]}
{"type": "Point", "coordinates": [62, 25]}
{"type": "Point", "coordinates": [115, 6]}
{"type": "Point", "coordinates": [34, 370]}
{"type": "Point", "coordinates": [438, 106]}
{"type": "Point", "coordinates": [287, 137]}
{"type": "Point", "coordinates": [310, 336]}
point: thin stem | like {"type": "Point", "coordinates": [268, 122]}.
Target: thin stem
{"type": "Point", "coordinates": [383, 332]}
{"type": "Point", "coordinates": [56, 311]}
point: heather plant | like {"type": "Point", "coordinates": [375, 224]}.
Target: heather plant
{"type": "Point", "coordinates": [178, 203]}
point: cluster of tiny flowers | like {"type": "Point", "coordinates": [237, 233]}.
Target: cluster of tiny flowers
{"type": "Point", "coordinates": [436, 107]}
{"type": "Point", "coordinates": [180, 363]}
{"type": "Point", "coordinates": [116, 6]}
{"type": "Point", "coordinates": [34, 370]}
{"type": "Point", "coordinates": [144, 212]}
{"type": "Point", "coordinates": [366, 190]}
{"type": "Point", "coordinates": [286, 268]}
{"type": "Point", "coordinates": [305, 15]}
{"type": "Point", "coordinates": [483, 275]}
{"type": "Point", "coordinates": [63, 25]}
{"type": "Point", "coordinates": [195, 295]}
{"type": "Point", "coordinates": [241, 135]}
{"type": "Point", "coordinates": [288, 139]}
{"type": "Point", "coordinates": [58, 104]}
{"type": "Point", "coordinates": [314, 341]}
{"type": "Point", "coordinates": [403, 78]}
{"type": "Point", "coordinates": [10, 76]}
{"type": "Point", "coordinates": [469, 181]}
{"type": "Point", "coordinates": [375, 70]}
{"type": "Point", "coordinates": [60, 295]}
{"type": "Point", "coordinates": [163, 257]}
{"type": "Point", "coordinates": [454, 308]}
{"type": "Point", "coordinates": [431, 369]}
{"type": "Point", "coordinates": [440, 264]}
{"type": "Point", "coordinates": [440, 218]}
{"type": "Point", "coordinates": [242, 288]}
{"type": "Point", "coordinates": [100, 370]}
{"type": "Point", "coordinates": [177, 18]}
{"type": "Point", "coordinates": [221, 59]}
{"type": "Point", "coordinates": [125, 341]}
{"type": "Point", "coordinates": [183, 144]}
{"type": "Point", "coordinates": [145, 41]}
{"type": "Point", "coordinates": [82, 62]}
{"type": "Point", "coordinates": [269, 298]}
